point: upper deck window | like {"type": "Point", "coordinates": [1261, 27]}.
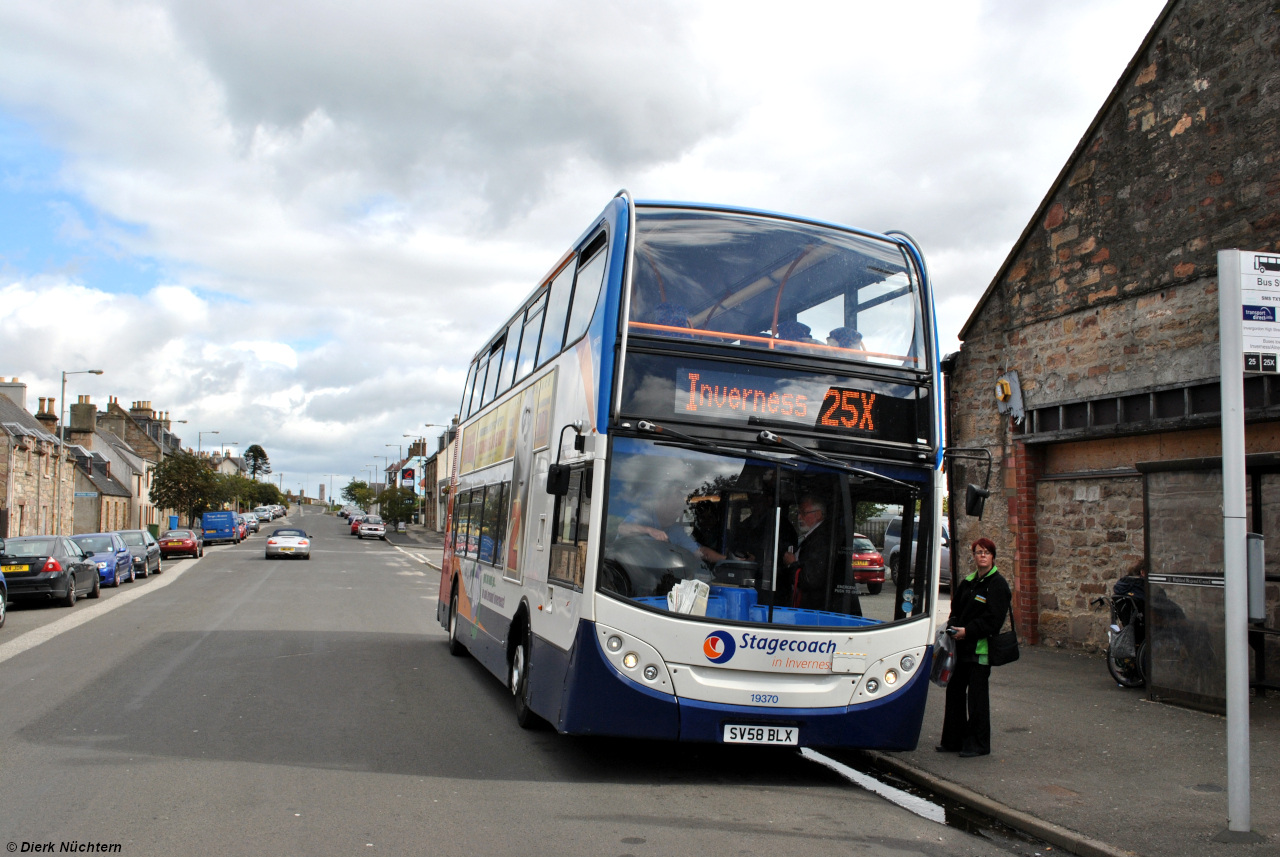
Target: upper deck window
{"type": "Point", "coordinates": [760, 282]}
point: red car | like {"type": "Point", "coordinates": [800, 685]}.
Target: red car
{"type": "Point", "coordinates": [181, 543]}
{"type": "Point", "coordinates": [355, 524]}
{"type": "Point", "coordinates": [868, 564]}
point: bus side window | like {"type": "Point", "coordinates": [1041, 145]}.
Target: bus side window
{"type": "Point", "coordinates": [466, 390]}
{"type": "Point", "coordinates": [473, 522]}
{"type": "Point", "coordinates": [529, 338]}
{"type": "Point", "coordinates": [461, 507]}
{"type": "Point", "coordinates": [494, 529]}
{"type": "Point", "coordinates": [587, 292]}
{"type": "Point", "coordinates": [557, 313]}
{"type": "Point", "coordinates": [478, 392]}
{"type": "Point", "coordinates": [509, 361]}
{"type": "Point", "coordinates": [569, 531]}
{"type": "Point", "coordinates": [495, 369]}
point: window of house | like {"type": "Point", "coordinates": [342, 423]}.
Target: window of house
{"type": "Point", "coordinates": [570, 530]}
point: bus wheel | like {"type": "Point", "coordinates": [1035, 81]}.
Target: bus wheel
{"type": "Point", "coordinates": [518, 681]}
{"type": "Point", "coordinates": [455, 645]}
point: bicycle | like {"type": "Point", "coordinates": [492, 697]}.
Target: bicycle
{"type": "Point", "coordinates": [1127, 633]}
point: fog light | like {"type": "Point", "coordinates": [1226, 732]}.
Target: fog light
{"type": "Point", "coordinates": [872, 685]}
{"type": "Point", "coordinates": [650, 672]}
{"type": "Point", "coordinates": [908, 663]}
{"type": "Point", "coordinates": [630, 659]}
{"type": "Point", "coordinates": [615, 643]}
{"type": "Point", "coordinates": [891, 677]}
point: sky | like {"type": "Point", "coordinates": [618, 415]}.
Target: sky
{"type": "Point", "coordinates": [293, 223]}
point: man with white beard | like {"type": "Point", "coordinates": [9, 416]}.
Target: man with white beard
{"type": "Point", "coordinates": [807, 562]}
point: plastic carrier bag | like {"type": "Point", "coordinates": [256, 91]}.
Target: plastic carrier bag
{"type": "Point", "coordinates": [689, 596]}
{"type": "Point", "coordinates": [944, 659]}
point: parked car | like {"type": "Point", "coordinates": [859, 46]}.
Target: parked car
{"type": "Point", "coordinates": [4, 594]}
{"type": "Point", "coordinates": [355, 523]}
{"type": "Point", "coordinates": [281, 511]}
{"type": "Point", "coordinates": [251, 522]}
{"type": "Point", "coordinates": [242, 526]}
{"type": "Point", "coordinates": [288, 542]}
{"type": "Point", "coordinates": [48, 567]}
{"type": "Point", "coordinates": [892, 549]}
{"type": "Point", "coordinates": [145, 550]}
{"type": "Point", "coordinates": [182, 543]}
{"type": "Point", "coordinates": [263, 513]}
{"type": "Point", "coordinates": [372, 527]}
{"type": "Point", "coordinates": [110, 554]}
{"type": "Point", "coordinates": [220, 527]}
{"type": "Point", "coordinates": [868, 564]}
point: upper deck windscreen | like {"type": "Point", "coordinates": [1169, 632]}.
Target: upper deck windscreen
{"type": "Point", "coordinates": [759, 282]}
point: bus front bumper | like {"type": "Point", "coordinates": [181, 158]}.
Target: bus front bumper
{"type": "Point", "coordinates": [599, 700]}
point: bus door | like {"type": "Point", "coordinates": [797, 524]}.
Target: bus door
{"type": "Point", "coordinates": [566, 550]}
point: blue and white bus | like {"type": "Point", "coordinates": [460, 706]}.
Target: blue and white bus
{"type": "Point", "coordinates": [664, 458]}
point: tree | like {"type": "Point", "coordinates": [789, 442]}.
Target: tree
{"type": "Point", "coordinates": [267, 494]}
{"type": "Point", "coordinates": [256, 458]}
{"type": "Point", "coordinates": [358, 493]}
{"type": "Point", "coordinates": [185, 483]}
{"type": "Point", "coordinates": [397, 504]}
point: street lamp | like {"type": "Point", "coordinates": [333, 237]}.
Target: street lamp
{"type": "Point", "coordinates": [62, 436]}
{"type": "Point", "coordinates": [199, 436]}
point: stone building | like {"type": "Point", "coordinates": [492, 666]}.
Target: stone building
{"type": "Point", "coordinates": [1106, 308]}
{"type": "Point", "coordinates": [103, 503]}
{"type": "Point", "coordinates": [29, 472]}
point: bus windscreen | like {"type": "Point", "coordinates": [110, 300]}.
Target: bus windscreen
{"type": "Point", "coordinates": [768, 283]}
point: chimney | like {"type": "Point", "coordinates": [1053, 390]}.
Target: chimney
{"type": "Point", "coordinates": [15, 391]}
{"type": "Point", "coordinates": [84, 415]}
{"type": "Point", "coordinates": [46, 416]}
{"type": "Point", "coordinates": [113, 421]}
{"type": "Point", "coordinates": [142, 411]}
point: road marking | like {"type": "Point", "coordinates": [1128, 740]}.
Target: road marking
{"type": "Point", "coordinates": [911, 803]}
{"type": "Point", "coordinates": [36, 636]}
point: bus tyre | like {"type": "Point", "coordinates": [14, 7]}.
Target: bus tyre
{"type": "Point", "coordinates": [455, 645]}
{"type": "Point", "coordinates": [518, 681]}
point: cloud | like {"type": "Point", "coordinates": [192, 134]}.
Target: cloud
{"type": "Point", "coordinates": [293, 223]}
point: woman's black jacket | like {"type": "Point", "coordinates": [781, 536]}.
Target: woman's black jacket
{"type": "Point", "coordinates": [978, 606]}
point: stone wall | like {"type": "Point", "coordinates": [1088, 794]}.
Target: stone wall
{"type": "Point", "coordinates": [1090, 533]}
{"type": "Point", "coordinates": [28, 486]}
{"type": "Point", "coordinates": [1112, 286]}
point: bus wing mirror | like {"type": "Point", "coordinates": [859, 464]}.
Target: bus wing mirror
{"type": "Point", "coordinates": [558, 479]}
{"type": "Point", "coordinates": [975, 500]}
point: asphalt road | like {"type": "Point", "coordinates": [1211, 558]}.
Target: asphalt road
{"type": "Point", "coordinates": [235, 705]}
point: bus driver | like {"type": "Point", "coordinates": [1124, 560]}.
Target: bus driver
{"type": "Point", "coordinates": [660, 520]}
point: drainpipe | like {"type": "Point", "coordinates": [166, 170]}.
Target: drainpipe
{"type": "Point", "coordinates": [948, 368]}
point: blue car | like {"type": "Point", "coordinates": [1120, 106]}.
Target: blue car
{"type": "Point", "coordinates": [109, 552]}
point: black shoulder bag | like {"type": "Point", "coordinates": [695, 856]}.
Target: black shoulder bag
{"type": "Point", "coordinates": [1003, 648]}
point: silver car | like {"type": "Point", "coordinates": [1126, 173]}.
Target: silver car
{"type": "Point", "coordinates": [287, 541]}
{"type": "Point", "coordinates": [372, 527]}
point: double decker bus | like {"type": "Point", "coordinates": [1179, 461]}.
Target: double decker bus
{"type": "Point", "coordinates": [664, 458]}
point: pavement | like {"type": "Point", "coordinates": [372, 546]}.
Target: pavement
{"type": "Point", "coordinates": [1097, 769]}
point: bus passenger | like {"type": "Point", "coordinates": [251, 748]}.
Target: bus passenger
{"type": "Point", "coordinates": [846, 337]}
{"type": "Point", "coordinates": [661, 521]}
{"type": "Point", "coordinates": [795, 331]}
{"type": "Point", "coordinates": [808, 562]}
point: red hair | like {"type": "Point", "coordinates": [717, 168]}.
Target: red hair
{"type": "Point", "coordinates": [984, 542]}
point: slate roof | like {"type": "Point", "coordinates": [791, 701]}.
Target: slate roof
{"type": "Point", "coordinates": [18, 422]}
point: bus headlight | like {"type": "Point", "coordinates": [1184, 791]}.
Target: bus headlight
{"type": "Point", "coordinates": [650, 672]}
{"type": "Point", "coordinates": [891, 677]}
{"type": "Point", "coordinates": [614, 643]}
{"type": "Point", "coordinates": [630, 659]}
{"type": "Point", "coordinates": [872, 685]}
{"type": "Point", "coordinates": [908, 663]}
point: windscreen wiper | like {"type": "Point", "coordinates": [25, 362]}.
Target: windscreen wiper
{"type": "Point", "coordinates": [708, 446]}
{"type": "Point", "coordinates": [813, 454]}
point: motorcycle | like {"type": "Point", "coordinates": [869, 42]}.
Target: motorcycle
{"type": "Point", "coordinates": [1127, 633]}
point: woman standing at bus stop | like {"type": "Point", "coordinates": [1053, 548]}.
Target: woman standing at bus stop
{"type": "Point", "coordinates": [978, 607]}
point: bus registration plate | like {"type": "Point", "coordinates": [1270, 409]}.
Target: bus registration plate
{"type": "Point", "coordinates": [761, 735]}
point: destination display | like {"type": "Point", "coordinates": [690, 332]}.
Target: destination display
{"type": "Point", "coordinates": [667, 387]}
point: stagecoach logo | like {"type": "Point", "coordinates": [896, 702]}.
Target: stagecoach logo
{"type": "Point", "coordinates": [719, 647]}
